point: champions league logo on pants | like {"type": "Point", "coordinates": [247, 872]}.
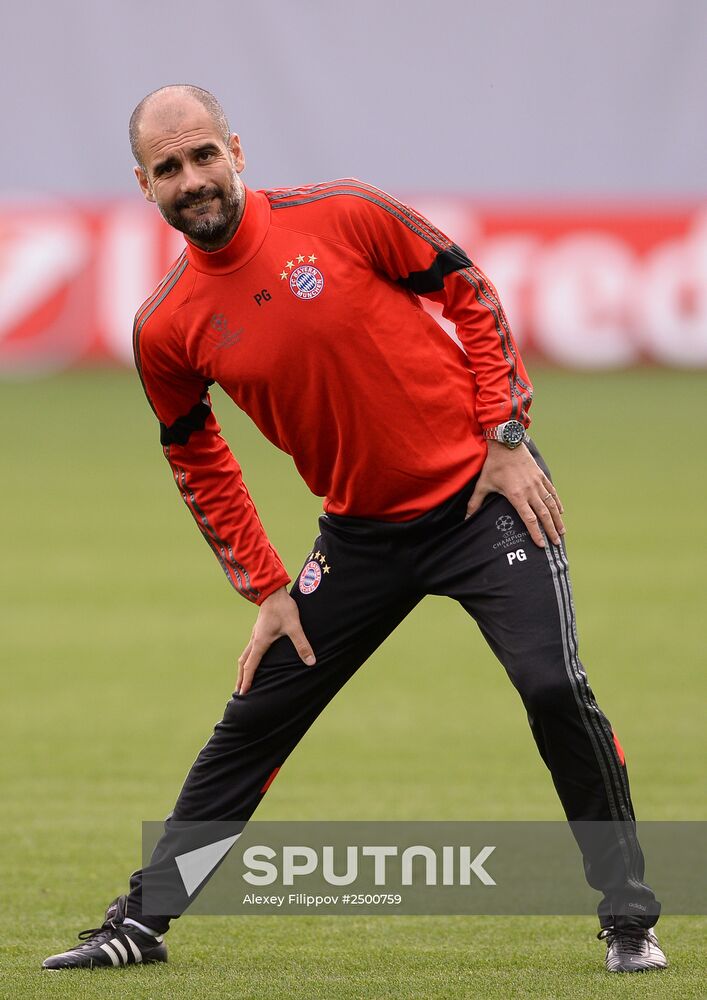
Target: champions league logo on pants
{"type": "Point", "coordinates": [505, 525]}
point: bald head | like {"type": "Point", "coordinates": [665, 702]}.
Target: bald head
{"type": "Point", "coordinates": [166, 107]}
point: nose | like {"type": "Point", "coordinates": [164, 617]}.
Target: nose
{"type": "Point", "coordinates": [191, 182]}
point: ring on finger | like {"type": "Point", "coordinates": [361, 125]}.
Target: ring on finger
{"type": "Point", "coordinates": [548, 496]}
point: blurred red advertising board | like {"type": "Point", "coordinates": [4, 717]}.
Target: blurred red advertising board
{"type": "Point", "coordinates": [600, 286]}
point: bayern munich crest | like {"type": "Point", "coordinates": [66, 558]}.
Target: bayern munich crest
{"type": "Point", "coordinates": [310, 577]}
{"type": "Point", "coordinates": [306, 281]}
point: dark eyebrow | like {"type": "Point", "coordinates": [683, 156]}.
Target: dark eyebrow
{"type": "Point", "coordinates": [207, 147]}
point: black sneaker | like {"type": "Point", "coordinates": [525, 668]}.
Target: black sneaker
{"type": "Point", "coordinates": [112, 945]}
{"type": "Point", "coordinates": [632, 950]}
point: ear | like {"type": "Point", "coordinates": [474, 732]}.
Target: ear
{"type": "Point", "coordinates": [144, 183]}
{"type": "Point", "coordinates": [234, 144]}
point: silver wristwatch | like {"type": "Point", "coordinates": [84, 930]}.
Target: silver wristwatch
{"type": "Point", "coordinates": [511, 434]}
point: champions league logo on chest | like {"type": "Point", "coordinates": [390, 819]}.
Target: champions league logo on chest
{"type": "Point", "coordinates": [305, 280]}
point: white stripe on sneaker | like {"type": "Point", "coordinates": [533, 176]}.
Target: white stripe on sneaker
{"type": "Point", "coordinates": [119, 947]}
{"type": "Point", "coordinates": [111, 954]}
{"type": "Point", "coordinates": [137, 954]}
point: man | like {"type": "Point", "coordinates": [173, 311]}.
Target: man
{"type": "Point", "coordinates": [303, 305]}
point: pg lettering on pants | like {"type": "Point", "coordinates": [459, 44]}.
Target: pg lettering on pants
{"type": "Point", "coordinates": [517, 556]}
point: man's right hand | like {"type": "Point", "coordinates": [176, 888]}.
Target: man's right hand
{"type": "Point", "coordinates": [278, 615]}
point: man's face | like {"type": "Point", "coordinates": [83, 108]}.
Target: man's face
{"type": "Point", "coordinates": [191, 173]}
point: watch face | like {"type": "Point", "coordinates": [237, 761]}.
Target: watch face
{"type": "Point", "coordinates": [513, 432]}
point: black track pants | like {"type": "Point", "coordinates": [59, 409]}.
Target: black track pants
{"type": "Point", "coordinates": [358, 583]}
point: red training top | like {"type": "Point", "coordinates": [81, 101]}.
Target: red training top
{"type": "Point", "coordinates": [310, 320]}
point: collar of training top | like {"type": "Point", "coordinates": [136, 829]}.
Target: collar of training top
{"type": "Point", "coordinates": [245, 243]}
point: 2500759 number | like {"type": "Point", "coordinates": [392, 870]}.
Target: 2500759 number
{"type": "Point", "coordinates": [375, 899]}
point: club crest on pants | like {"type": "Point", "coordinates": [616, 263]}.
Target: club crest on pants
{"type": "Point", "coordinates": [310, 577]}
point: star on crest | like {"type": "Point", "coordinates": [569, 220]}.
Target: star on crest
{"type": "Point", "coordinates": [295, 261]}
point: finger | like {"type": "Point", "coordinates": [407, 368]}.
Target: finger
{"type": "Point", "coordinates": [250, 666]}
{"type": "Point", "coordinates": [477, 498]}
{"type": "Point", "coordinates": [241, 660]}
{"type": "Point", "coordinates": [545, 519]}
{"type": "Point", "coordinates": [530, 520]}
{"type": "Point", "coordinates": [553, 506]}
{"type": "Point", "coordinates": [549, 486]}
{"type": "Point", "coordinates": [304, 650]}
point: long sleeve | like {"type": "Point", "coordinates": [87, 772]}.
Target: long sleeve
{"type": "Point", "coordinates": [204, 468]}
{"type": "Point", "coordinates": [406, 248]}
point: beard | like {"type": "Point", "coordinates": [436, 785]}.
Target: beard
{"type": "Point", "coordinates": [209, 230]}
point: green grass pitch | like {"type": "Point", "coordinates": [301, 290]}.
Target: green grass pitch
{"type": "Point", "coordinates": [120, 637]}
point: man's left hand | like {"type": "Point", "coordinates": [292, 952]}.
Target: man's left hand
{"type": "Point", "coordinates": [516, 475]}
